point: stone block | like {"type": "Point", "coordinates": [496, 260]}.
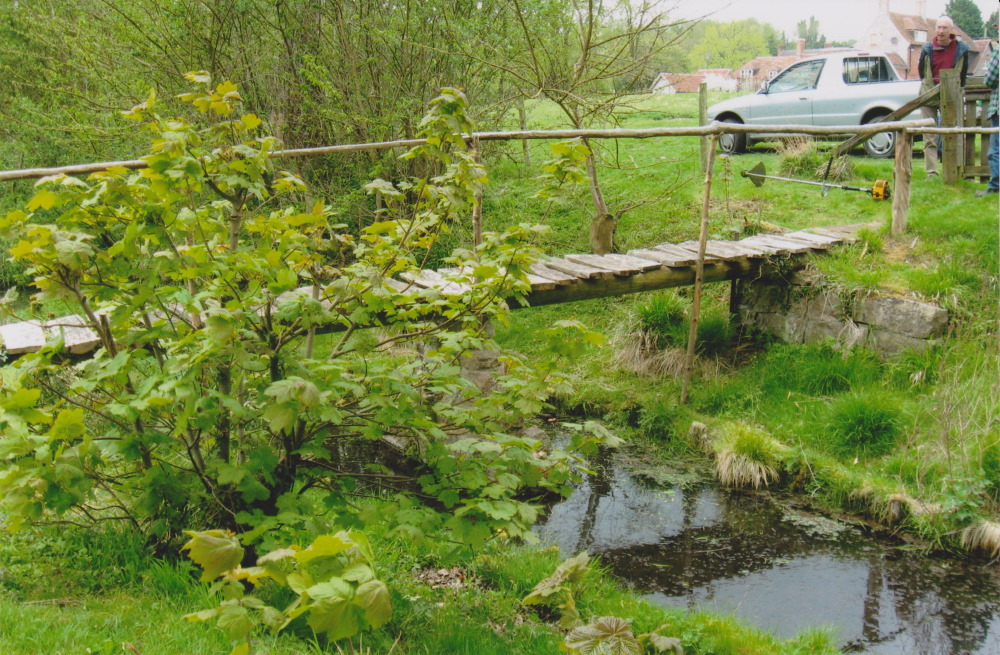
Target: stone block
{"type": "Point", "coordinates": [903, 316]}
{"type": "Point", "coordinates": [846, 333]}
{"type": "Point", "coordinates": [887, 344]}
{"type": "Point", "coordinates": [823, 306]}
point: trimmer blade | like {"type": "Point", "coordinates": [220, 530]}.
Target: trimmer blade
{"type": "Point", "coordinates": [755, 174]}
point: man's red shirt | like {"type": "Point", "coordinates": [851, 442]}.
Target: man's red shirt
{"type": "Point", "coordinates": [942, 57]}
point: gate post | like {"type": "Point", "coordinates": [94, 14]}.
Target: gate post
{"type": "Point", "coordinates": [902, 173]}
{"type": "Point", "coordinates": [951, 116]}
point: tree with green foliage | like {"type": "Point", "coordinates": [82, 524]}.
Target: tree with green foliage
{"type": "Point", "coordinates": [991, 25]}
{"type": "Point", "coordinates": [215, 399]}
{"type": "Point", "coordinates": [732, 44]}
{"type": "Point", "coordinates": [317, 73]}
{"type": "Point", "coordinates": [809, 30]}
{"type": "Point", "coordinates": [967, 16]}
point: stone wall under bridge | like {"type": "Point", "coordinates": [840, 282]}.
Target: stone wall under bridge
{"type": "Point", "coordinates": [799, 308]}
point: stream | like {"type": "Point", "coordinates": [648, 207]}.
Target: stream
{"type": "Point", "coordinates": [702, 547]}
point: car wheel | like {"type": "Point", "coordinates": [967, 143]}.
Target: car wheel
{"type": "Point", "coordinates": [881, 145]}
{"type": "Point", "coordinates": [733, 144]}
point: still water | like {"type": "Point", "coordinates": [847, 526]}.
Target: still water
{"type": "Point", "coordinates": [704, 548]}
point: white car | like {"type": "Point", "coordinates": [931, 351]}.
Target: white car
{"type": "Point", "coordinates": [844, 88]}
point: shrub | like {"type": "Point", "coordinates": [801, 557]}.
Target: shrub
{"type": "Point", "coordinates": [215, 396]}
{"type": "Point", "coordinates": [865, 422]}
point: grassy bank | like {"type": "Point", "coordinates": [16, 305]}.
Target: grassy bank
{"type": "Point", "coordinates": [65, 591]}
{"type": "Point", "coordinates": [911, 441]}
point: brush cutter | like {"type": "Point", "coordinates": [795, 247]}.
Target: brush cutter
{"type": "Point", "coordinates": [757, 175]}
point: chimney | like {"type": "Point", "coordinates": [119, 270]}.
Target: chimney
{"type": "Point", "coordinates": [800, 48]}
{"type": "Point", "coordinates": [883, 7]}
{"type": "Point", "coordinates": [922, 8]}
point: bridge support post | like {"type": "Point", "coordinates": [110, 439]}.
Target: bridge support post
{"type": "Point", "coordinates": [902, 174]}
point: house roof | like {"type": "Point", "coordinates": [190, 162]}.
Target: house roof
{"type": "Point", "coordinates": [897, 62]}
{"type": "Point", "coordinates": [907, 24]}
{"type": "Point", "coordinates": [723, 72]}
{"type": "Point", "coordinates": [684, 82]}
{"type": "Point", "coordinates": [762, 65]}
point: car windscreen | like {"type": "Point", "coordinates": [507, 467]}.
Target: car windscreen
{"type": "Point", "coordinates": [798, 77]}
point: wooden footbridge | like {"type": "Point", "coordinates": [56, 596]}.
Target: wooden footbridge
{"type": "Point", "coordinates": [555, 280]}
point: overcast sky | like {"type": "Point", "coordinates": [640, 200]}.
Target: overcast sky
{"type": "Point", "coordinates": [839, 20]}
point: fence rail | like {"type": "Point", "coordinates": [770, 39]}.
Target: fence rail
{"type": "Point", "coordinates": [714, 128]}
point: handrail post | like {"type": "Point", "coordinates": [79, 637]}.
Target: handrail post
{"type": "Point", "coordinates": [902, 173]}
{"type": "Point", "coordinates": [703, 120]}
{"type": "Point", "coordinates": [951, 116]}
{"type": "Point", "coordinates": [699, 273]}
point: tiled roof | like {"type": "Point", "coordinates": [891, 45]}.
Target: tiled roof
{"type": "Point", "coordinates": [761, 65]}
{"type": "Point", "coordinates": [684, 82]}
{"type": "Point", "coordinates": [906, 24]}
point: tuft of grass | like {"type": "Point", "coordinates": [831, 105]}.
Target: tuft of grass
{"type": "Point", "coordinates": [865, 423]}
{"type": "Point", "coordinates": [659, 420]}
{"type": "Point", "coordinates": [747, 456]}
{"type": "Point", "coordinates": [799, 157]}
{"type": "Point", "coordinates": [983, 535]}
{"type": "Point", "coordinates": [824, 370]}
{"type": "Point", "coordinates": [662, 313]}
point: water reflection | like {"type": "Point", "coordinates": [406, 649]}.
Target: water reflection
{"type": "Point", "coordinates": [705, 548]}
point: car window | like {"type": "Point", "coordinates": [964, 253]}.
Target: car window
{"type": "Point", "coordinates": [866, 70]}
{"type": "Point", "coordinates": [797, 78]}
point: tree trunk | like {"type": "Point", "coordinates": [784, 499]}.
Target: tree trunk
{"type": "Point", "coordinates": [603, 224]}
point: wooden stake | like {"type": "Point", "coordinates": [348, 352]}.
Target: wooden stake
{"type": "Point", "coordinates": [477, 209]}
{"type": "Point", "coordinates": [703, 120]}
{"type": "Point", "coordinates": [902, 174]}
{"type": "Point", "coordinates": [699, 273]}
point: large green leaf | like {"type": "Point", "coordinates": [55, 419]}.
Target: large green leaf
{"type": "Point", "coordinates": [215, 551]}
{"type": "Point", "coordinates": [324, 545]}
{"type": "Point", "coordinates": [373, 598]}
{"type": "Point", "coordinates": [608, 635]}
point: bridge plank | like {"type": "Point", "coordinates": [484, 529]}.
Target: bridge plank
{"type": "Point", "coordinates": [659, 257]}
{"type": "Point", "coordinates": [847, 235]}
{"type": "Point", "coordinates": [821, 241]}
{"type": "Point", "coordinates": [789, 245]}
{"type": "Point", "coordinates": [761, 241]}
{"type": "Point", "coordinates": [582, 271]}
{"type": "Point", "coordinates": [619, 264]}
{"type": "Point", "coordinates": [684, 256]}
{"type": "Point", "coordinates": [754, 242]}
{"type": "Point", "coordinates": [730, 250]}
{"type": "Point", "coordinates": [811, 244]}
{"type": "Point", "coordinates": [752, 251]}
{"type": "Point", "coordinates": [693, 247]}
{"type": "Point", "coordinates": [560, 278]}
{"type": "Point", "coordinates": [434, 280]}
{"type": "Point", "coordinates": [20, 338]}
{"type": "Point", "coordinates": [77, 337]}
{"type": "Point", "coordinates": [536, 282]}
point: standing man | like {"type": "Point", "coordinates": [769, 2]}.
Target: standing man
{"type": "Point", "coordinates": [992, 74]}
{"type": "Point", "coordinates": [941, 52]}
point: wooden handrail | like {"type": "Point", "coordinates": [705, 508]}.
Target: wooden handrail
{"type": "Point", "coordinates": [905, 110]}
{"type": "Point", "coordinates": [703, 130]}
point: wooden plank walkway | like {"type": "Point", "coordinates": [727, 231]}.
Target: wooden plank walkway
{"type": "Point", "coordinates": [556, 280]}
